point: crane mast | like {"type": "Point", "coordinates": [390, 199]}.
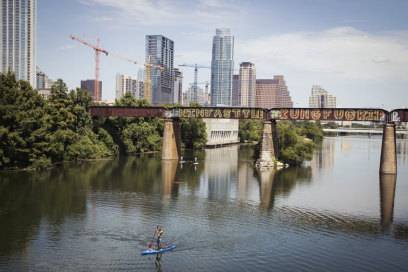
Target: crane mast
{"type": "Point", "coordinates": [195, 87]}
{"type": "Point", "coordinates": [98, 50]}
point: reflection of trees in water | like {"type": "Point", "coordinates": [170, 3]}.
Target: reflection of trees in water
{"type": "Point", "coordinates": [273, 183]}
{"type": "Point", "coordinates": [26, 198]}
{"type": "Point", "coordinates": [130, 174]}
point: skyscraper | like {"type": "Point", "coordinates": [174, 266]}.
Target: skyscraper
{"type": "Point", "coordinates": [272, 93]}
{"type": "Point", "coordinates": [18, 38]}
{"type": "Point", "coordinates": [236, 92]}
{"type": "Point", "coordinates": [247, 84]}
{"type": "Point", "coordinates": [320, 98]}
{"type": "Point", "coordinates": [160, 51]}
{"type": "Point", "coordinates": [178, 86]}
{"type": "Point", "coordinates": [127, 84]}
{"type": "Point", "coordinates": [222, 68]}
{"type": "Point", "coordinates": [89, 86]}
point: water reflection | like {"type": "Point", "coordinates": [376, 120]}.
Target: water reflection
{"type": "Point", "coordinates": [221, 165]}
{"type": "Point", "coordinates": [387, 195]}
{"type": "Point", "coordinates": [324, 157]}
{"type": "Point", "coordinates": [266, 179]}
{"type": "Point", "coordinates": [224, 188]}
{"type": "Point", "coordinates": [168, 173]}
{"type": "Point", "coordinates": [280, 183]}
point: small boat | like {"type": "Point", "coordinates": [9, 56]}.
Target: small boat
{"type": "Point", "coordinates": [161, 250]}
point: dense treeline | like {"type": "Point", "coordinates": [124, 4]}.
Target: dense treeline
{"type": "Point", "coordinates": [296, 140]}
{"type": "Point", "coordinates": [36, 133]}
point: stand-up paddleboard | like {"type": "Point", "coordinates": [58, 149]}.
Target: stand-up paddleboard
{"type": "Point", "coordinates": [155, 251]}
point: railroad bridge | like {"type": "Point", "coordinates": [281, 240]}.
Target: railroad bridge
{"type": "Point", "coordinates": [269, 147]}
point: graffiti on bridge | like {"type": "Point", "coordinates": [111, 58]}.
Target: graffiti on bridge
{"type": "Point", "coordinates": [221, 113]}
{"type": "Point", "coordinates": [328, 114]}
{"type": "Point", "coordinates": [399, 115]}
{"type": "Point", "coordinates": [325, 114]}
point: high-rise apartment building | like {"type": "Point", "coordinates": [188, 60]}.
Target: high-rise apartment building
{"type": "Point", "coordinates": [18, 38]}
{"type": "Point", "coordinates": [178, 86]}
{"type": "Point", "coordinates": [127, 84]}
{"type": "Point", "coordinates": [272, 93]}
{"type": "Point", "coordinates": [320, 98]}
{"type": "Point", "coordinates": [42, 80]}
{"type": "Point", "coordinates": [89, 86]}
{"type": "Point", "coordinates": [222, 68]}
{"type": "Point", "coordinates": [247, 84]}
{"type": "Point", "coordinates": [160, 51]}
{"type": "Point", "coordinates": [236, 92]}
{"type": "Point", "coordinates": [201, 96]}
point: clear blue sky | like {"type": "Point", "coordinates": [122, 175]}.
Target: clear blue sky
{"type": "Point", "coordinates": [355, 49]}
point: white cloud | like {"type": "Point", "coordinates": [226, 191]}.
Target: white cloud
{"type": "Point", "coordinates": [342, 53]}
{"type": "Point", "coordinates": [172, 12]}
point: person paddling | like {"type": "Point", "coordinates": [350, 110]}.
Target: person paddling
{"type": "Point", "coordinates": [158, 233]}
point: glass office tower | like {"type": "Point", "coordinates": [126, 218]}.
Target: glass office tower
{"type": "Point", "coordinates": [18, 38]}
{"type": "Point", "coordinates": [222, 68]}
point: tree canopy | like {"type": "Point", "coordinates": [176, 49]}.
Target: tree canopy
{"type": "Point", "coordinates": [37, 133]}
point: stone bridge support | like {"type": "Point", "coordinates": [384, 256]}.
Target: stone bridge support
{"type": "Point", "coordinates": [171, 149]}
{"type": "Point", "coordinates": [268, 151]}
{"type": "Point", "coordinates": [388, 163]}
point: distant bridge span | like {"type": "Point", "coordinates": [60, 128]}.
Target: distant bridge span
{"type": "Point", "coordinates": [269, 148]}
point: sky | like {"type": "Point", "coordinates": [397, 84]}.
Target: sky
{"type": "Point", "coordinates": [355, 49]}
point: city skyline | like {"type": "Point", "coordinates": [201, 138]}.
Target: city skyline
{"type": "Point", "coordinates": [332, 44]}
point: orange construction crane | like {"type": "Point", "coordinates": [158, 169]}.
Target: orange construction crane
{"type": "Point", "coordinates": [98, 51]}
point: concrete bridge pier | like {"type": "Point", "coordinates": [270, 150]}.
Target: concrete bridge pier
{"type": "Point", "coordinates": [171, 149]}
{"type": "Point", "coordinates": [388, 163]}
{"type": "Point", "coordinates": [268, 147]}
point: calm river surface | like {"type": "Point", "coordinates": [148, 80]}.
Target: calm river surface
{"type": "Point", "coordinates": [334, 214]}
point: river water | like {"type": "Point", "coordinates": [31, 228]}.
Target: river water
{"type": "Point", "coordinates": [334, 214]}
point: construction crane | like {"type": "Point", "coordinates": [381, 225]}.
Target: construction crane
{"type": "Point", "coordinates": [196, 67]}
{"type": "Point", "coordinates": [98, 51]}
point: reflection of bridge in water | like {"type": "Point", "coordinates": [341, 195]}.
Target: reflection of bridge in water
{"type": "Point", "coordinates": [268, 147]}
{"type": "Point", "coordinates": [229, 175]}
{"type": "Point", "coordinates": [369, 131]}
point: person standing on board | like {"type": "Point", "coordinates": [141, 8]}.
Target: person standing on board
{"type": "Point", "coordinates": [158, 233]}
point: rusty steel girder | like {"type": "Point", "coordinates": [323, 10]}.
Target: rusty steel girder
{"type": "Point", "coordinates": [317, 114]}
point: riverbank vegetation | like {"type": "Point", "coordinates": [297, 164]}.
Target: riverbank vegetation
{"type": "Point", "coordinates": [296, 140]}
{"type": "Point", "coordinates": [37, 133]}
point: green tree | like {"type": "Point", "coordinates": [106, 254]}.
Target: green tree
{"type": "Point", "coordinates": [250, 130]}
{"type": "Point", "coordinates": [134, 135]}
{"type": "Point", "coordinates": [294, 147]}
{"type": "Point", "coordinates": [193, 133]}
{"type": "Point", "coordinates": [36, 133]}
